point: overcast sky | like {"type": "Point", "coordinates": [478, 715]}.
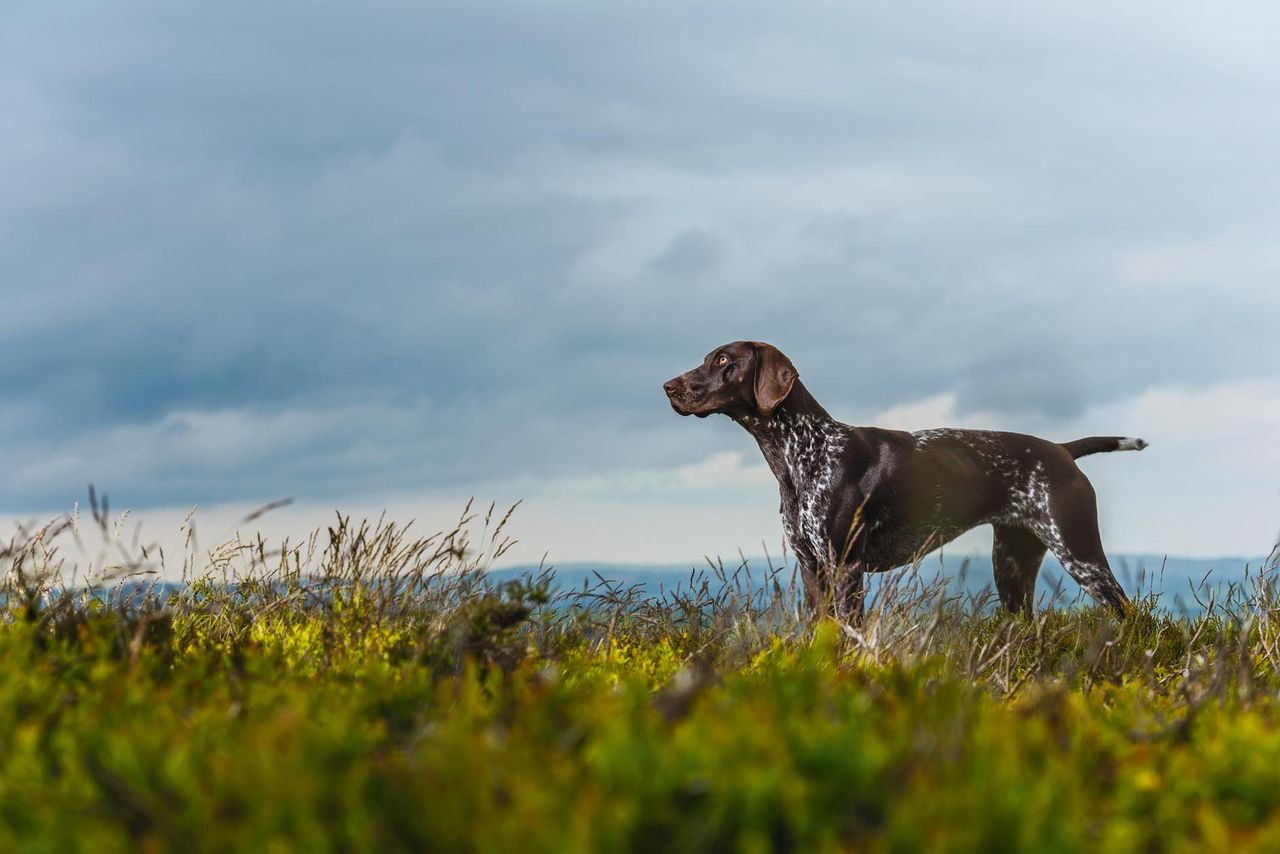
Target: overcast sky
{"type": "Point", "coordinates": [394, 255]}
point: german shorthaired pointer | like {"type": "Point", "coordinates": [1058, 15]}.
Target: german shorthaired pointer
{"type": "Point", "coordinates": [863, 499]}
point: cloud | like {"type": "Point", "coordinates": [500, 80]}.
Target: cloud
{"type": "Point", "coordinates": [690, 253]}
{"type": "Point", "coordinates": [251, 252]}
{"type": "Point", "coordinates": [721, 471]}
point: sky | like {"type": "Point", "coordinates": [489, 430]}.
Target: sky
{"type": "Point", "coordinates": [382, 256]}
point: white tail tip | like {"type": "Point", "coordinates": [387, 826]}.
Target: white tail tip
{"type": "Point", "coordinates": [1131, 444]}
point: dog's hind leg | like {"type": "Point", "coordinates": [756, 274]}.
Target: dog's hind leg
{"type": "Point", "coordinates": [1070, 529]}
{"type": "Point", "coordinates": [1016, 559]}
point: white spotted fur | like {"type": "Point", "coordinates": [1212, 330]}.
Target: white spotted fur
{"type": "Point", "coordinates": [811, 448]}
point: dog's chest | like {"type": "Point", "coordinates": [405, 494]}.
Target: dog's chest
{"type": "Point", "coordinates": [811, 454]}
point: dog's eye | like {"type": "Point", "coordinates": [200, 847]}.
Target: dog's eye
{"type": "Point", "coordinates": [723, 360]}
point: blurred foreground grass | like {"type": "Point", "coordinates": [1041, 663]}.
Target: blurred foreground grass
{"type": "Point", "coordinates": [370, 689]}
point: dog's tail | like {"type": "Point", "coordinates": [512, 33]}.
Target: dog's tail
{"type": "Point", "coordinates": [1101, 444]}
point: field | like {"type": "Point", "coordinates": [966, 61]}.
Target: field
{"type": "Point", "coordinates": [372, 689]}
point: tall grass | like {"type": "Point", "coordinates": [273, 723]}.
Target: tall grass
{"type": "Point", "coordinates": [423, 587]}
{"type": "Point", "coordinates": [242, 704]}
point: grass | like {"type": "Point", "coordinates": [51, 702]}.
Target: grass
{"type": "Point", "coordinates": [371, 688]}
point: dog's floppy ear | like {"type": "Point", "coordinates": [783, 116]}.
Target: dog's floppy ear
{"type": "Point", "coordinates": [775, 375]}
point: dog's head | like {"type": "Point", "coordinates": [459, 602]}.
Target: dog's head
{"type": "Point", "coordinates": [742, 378]}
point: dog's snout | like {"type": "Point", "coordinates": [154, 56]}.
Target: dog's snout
{"type": "Point", "coordinates": [677, 393]}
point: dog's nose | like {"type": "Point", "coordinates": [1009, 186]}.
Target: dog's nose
{"type": "Point", "coordinates": [669, 386]}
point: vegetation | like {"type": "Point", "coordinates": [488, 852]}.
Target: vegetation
{"type": "Point", "coordinates": [373, 689]}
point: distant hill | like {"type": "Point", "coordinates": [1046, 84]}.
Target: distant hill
{"type": "Point", "coordinates": [1174, 578]}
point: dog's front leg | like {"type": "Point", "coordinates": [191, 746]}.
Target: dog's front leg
{"type": "Point", "coordinates": [850, 594]}
{"type": "Point", "coordinates": [815, 593]}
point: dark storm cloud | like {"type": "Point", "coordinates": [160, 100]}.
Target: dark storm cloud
{"type": "Point", "coordinates": [690, 253]}
{"type": "Point", "coordinates": [247, 249]}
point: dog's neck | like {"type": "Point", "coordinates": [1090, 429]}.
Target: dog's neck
{"type": "Point", "coordinates": [800, 441]}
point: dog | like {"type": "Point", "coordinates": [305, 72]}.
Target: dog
{"type": "Point", "coordinates": [865, 499]}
